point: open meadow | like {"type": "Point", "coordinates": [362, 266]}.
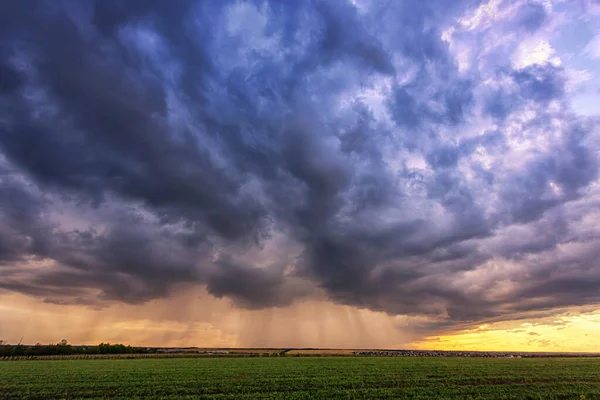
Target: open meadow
{"type": "Point", "coordinates": [302, 377]}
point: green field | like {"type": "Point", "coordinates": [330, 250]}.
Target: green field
{"type": "Point", "coordinates": [302, 377]}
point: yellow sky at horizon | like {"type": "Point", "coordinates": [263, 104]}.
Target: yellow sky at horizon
{"type": "Point", "coordinates": [197, 319]}
{"type": "Point", "coordinates": [564, 332]}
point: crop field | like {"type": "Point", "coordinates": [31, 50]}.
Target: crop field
{"type": "Point", "coordinates": [302, 377]}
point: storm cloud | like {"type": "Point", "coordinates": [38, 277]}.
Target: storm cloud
{"type": "Point", "coordinates": [274, 151]}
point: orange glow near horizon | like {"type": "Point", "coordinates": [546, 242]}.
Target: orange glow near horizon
{"type": "Point", "coordinates": [200, 320]}
{"type": "Point", "coordinates": [203, 321]}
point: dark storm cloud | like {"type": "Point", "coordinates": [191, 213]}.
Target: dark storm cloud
{"type": "Point", "coordinates": [234, 145]}
{"type": "Point", "coordinates": [531, 16]}
{"type": "Point", "coordinates": [540, 84]}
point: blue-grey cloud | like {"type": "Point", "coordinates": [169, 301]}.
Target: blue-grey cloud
{"type": "Point", "coordinates": [269, 150]}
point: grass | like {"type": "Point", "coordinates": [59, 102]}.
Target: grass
{"type": "Point", "coordinates": [302, 377]}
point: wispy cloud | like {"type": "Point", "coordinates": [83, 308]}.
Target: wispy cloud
{"type": "Point", "coordinates": [592, 49]}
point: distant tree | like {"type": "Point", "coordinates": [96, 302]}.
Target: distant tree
{"type": "Point", "coordinates": [63, 347]}
{"type": "Point", "coordinates": [18, 350]}
{"type": "Point", "coordinates": [103, 348]}
{"type": "Point", "coordinates": [107, 348]}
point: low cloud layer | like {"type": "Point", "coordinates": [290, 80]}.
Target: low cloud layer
{"type": "Point", "coordinates": [416, 158]}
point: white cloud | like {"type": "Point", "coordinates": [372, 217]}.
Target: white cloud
{"type": "Point", "coordinates": [592, 50]}
{"type": "Point", "coordinates": [577, 77]}
{"type": "Point", "coordinates": [482, 17]}
{"type": "Point", "coordinates": [535, 52]}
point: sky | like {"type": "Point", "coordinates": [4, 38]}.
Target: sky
{"type": "Point", "coordinates": [358, 174]}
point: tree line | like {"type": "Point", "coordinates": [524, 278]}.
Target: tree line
{"type": "Point", "coordinates": [64, 348]}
